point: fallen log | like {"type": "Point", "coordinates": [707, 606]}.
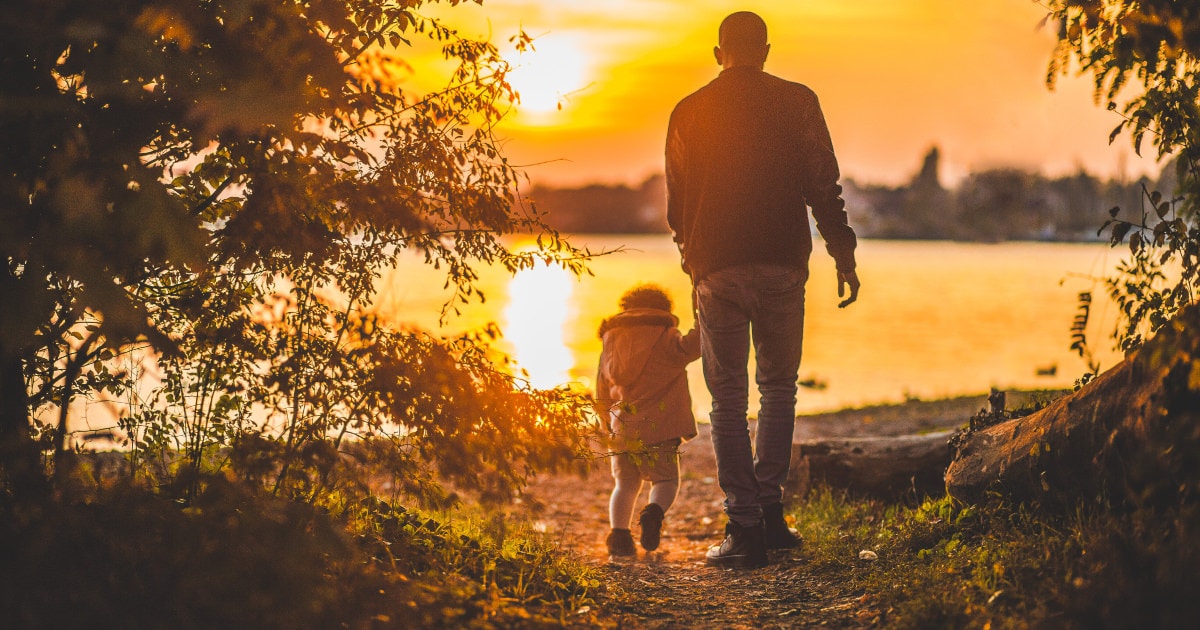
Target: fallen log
{"type": "Point", "coordinates": [883, 467]}
{"type": "Point", "coordinates": [1111, 440]}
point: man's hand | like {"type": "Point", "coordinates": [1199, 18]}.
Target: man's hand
{"type": "Point", "coordinates": [847, 278]}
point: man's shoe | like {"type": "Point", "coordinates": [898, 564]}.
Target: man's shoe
{"type": "Point", "coordinates": [776, 533]}
{"type": "Point", "coordinates": [620, 543]}
{"type": "Point", "coordinates": [742, 548]}
{"type": "Point", "coordinates": [651, 520]}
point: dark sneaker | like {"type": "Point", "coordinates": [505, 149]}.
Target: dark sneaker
{"type": "Point", "coordinates": [742, 548]}
{"type": "Point", "coordinates": [651, 521]}
{"type": "Point", "coordinates": [776, 532]}
{"type": "Point", "coordinates": [620, 543]}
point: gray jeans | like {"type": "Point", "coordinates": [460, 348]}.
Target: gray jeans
{"type": "Point", "coordinates": [738, 305]}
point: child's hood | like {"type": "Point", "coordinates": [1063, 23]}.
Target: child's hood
{"type": "Point", "coordinates": [629, 340]}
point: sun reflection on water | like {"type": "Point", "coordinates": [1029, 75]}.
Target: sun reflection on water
{"type": "Point", "coordinates": [536, 317]}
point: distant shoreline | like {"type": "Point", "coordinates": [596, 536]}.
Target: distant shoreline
{"type": "Point", "coordinates": [911, 417]}
{"type": "Point", "coordinates": [1083, 239]}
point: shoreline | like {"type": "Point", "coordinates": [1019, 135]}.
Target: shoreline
{"type": "Point", "coordinates": [911, 417]}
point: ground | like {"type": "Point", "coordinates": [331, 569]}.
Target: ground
{"type": "Point", "coordinates": [673, 588]}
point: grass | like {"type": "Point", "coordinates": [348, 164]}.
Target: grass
{"type": "Point", "coordinates": [942, 564]}
{"type": "Point", "coordinates": [1124, 558]}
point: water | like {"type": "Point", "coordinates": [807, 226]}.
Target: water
{"type": "Point", "coordinates": [933, 319]}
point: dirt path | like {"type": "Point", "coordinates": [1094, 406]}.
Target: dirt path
{"type": "Point", "coordinates": [673, 588]}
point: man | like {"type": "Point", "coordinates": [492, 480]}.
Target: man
{"type": "Point", "coordinates": [745, 155]}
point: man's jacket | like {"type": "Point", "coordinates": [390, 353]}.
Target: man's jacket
{"type": "Point", "coordinates": [745, 155]}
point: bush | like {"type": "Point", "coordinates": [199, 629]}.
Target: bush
{"type": "Point", "coordinates": [237, 557]}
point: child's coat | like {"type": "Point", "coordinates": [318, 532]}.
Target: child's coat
{"type": "Point", "coordinates": [641, 387]}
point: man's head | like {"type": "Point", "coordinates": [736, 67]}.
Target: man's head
{"type": "Point", "coordinates": [742, 41]}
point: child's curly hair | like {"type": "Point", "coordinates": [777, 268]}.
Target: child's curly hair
{"type": "Point", "coordinates": [646, 296]}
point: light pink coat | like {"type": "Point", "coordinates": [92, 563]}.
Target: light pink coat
{"type": "Point", "coordinates": [641, 385]}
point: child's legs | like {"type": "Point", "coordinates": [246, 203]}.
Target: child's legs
{"type": "Point", "coordinates": [627, 486]}
{"type": "Point", "coordinates": [664, 492]}
{"type": "Point", "coordinates": [664, 473]}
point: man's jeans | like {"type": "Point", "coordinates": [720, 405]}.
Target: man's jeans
{"type": "Point", "coordinates": [764, 303]}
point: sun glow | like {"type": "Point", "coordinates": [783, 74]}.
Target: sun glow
{"type": "Point", "coordinates": [546, 75]}
{"type": "Point", "coordinates": [535, 321]}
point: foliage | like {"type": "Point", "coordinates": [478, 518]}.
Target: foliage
{"type": "Point", "coordinates": [1161, 275]}
{"type": "Point", "coordinates": [1154, 43]}
{"type": "Point", "coordinates": [1079, 342]}
{"type": "Point", "coordinates": [201, 196]}
{"type": "Point", "coordinates": [236, 557]}
{"type": "Point", "coordinates": [505, 561]}
{"type": "Point", "coordinates": [1146, 52]}
{"type": "Point", "coordinates": [429, 411]}
{"type": "Point", "coordinates": [944, 564]}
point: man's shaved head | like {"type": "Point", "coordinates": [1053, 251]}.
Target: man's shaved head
{"type": "Point", "coordinates": [743, 34]}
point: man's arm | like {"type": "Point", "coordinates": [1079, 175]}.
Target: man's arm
{"type": "Point", "coordinates": [823, 192]}
{"type": "Point", "coordinates": [676, 188]}
{"type": "Point", "coordinates": [824, 195]}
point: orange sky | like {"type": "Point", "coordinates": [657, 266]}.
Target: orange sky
{"type": "Point", "coordinates": [894, 77]}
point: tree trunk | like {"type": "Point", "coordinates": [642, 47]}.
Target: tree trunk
{"type": "Point", "coordinates": [1100, 442]}
{"type": "Point", "coordinates": [20, 459]}
{"type": "Point", "coordinates": [909, 466]}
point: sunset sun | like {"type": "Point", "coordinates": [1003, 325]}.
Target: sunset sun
{"type": "Point", "coordinates": [546, 75]}
{"type": "Point", "coordinates": [537, 312]}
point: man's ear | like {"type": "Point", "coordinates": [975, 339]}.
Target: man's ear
{"type": "Point", "coordinates": [720, 57]}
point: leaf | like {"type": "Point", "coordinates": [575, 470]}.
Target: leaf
{"type": "Point", "coordinates": [1119, 231]}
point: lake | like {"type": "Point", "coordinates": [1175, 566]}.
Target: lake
{"type": "Point", "coordinates": [933, 319]}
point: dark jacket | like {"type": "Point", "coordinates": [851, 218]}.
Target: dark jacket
{"type": "Point", "coordinates": [641, 385]}
{"type": "Point", "coordinates": [745, 154]}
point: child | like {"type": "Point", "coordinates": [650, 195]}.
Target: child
{"type": "Point", "coordinates": [642, 393]}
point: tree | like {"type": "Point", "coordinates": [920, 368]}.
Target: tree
{"type": "Point", "coordinates": [1132, 430]}
{"type": "Point", "coordinates": [599, 208]}
{"type": "Point", "coordinates": [220, 182]}
{"type": "Point", "coordinates": [1146, 52]}
{"type": "Point", "coordinates": [1002, 204]}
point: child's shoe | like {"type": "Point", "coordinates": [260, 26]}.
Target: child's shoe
{"type": "Point", "coordinates": [620, 543]}
{"type": "Point", "coordinates": [651, 521]}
